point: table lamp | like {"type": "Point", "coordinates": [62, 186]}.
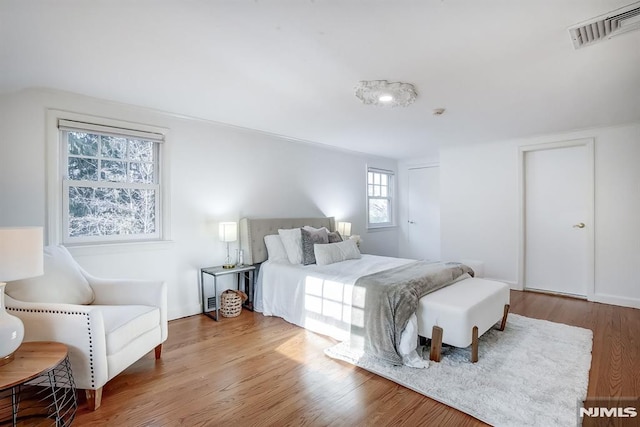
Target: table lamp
{"type": "Point", "coordinates": [21, 257]}
{"type": "Point", "coordinates": [228, 233]}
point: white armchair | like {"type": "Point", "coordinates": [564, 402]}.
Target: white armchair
{"type": "Point", "coordinates": [125, 320]}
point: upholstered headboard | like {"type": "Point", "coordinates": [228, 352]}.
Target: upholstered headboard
{"type": "Point", "coordinates": [252, 232]}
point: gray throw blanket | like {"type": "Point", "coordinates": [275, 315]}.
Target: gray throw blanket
{"type": "Point", "coordinates": [383, 302]}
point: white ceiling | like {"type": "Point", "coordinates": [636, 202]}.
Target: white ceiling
{"type": "Point", "coordinates": [501, 68]}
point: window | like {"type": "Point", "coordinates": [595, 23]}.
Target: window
{"type": "Point", "coordinates": [379, 198]}
{"type": "Point", "coordinates": [110, 183]}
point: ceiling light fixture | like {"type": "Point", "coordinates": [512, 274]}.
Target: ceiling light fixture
{"type": "Point", "coordinates": [383, 93]}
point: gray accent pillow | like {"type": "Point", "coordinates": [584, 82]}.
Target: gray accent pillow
{"type": "Point", "coordinates": [310, 238]}
{"type": "Point", "coordinates": [335, 237]}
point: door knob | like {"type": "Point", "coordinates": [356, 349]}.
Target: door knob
{"type": "Point", "coordinates": [411, 222]}
{"type": "Point", "coordinates": [579, 225]}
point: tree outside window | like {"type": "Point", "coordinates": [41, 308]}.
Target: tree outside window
{"type": "Point", "coordinates": [111, 186]}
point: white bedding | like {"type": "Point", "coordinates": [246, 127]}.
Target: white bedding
{"type": "Point", "coordinates": [317, 298]}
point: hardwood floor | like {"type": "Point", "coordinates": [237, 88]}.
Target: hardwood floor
{"type": "Point", "coordinates": [254, 370]}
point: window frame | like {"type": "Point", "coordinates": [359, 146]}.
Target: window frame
{"type": "Point", "coordinates": [59, 122]}
{"type": "Point", "coordinates": [390, 197]}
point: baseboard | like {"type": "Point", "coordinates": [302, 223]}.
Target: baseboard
{"type": "Point", "coordinates": [615, 300]}
{"type": "Point", "coordinates": [184, 311]}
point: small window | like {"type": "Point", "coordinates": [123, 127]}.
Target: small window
{"type": "Point", "coordinates": [111, 183]}
{"type": "Point", "coordinates": [379, 198]}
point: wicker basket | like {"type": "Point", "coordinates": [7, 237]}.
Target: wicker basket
{"type": "Point", "coordinates": [230, 303]}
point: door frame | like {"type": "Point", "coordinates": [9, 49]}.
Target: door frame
{"type": "Point", "coordinates": [589, 144]}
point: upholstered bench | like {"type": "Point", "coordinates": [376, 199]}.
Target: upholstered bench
{"type": "Point", "coordinates": [458, 314]}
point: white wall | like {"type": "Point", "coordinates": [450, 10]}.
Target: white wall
{"type": "Point", "coordinates": [480, 203]}
{"type": "Point", "coordinates": [217, 173]}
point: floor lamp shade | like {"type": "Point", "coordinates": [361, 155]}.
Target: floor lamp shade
{"type": "Point", "coordinates": [21, 257]}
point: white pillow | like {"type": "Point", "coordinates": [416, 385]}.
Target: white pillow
{"type": "Point", "coordinates": [62, 281]}
{"type": "Point", "coordinates": [275, 248]}
{"type": "Point", "coordinates": [336, 252]}
{"type": "Point", "coordinates": [292, 242]}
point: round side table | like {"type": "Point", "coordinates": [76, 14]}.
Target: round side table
{"type": "Point", "coordinates": [38, 383]}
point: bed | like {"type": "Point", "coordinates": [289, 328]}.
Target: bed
{"type": "Point", "coordinates": [316, 297]}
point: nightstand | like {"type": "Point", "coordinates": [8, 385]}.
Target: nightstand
{"type": "Point", "coordinates": [210, 300]}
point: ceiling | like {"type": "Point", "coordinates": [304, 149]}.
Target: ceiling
{"type": "Point", "coordinates": [501, 68]}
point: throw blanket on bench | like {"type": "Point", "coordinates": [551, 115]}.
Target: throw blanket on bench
{"type": "Point", "coordinates": [383, 302]}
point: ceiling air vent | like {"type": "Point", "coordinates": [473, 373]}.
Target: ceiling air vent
{"type": "Point", "coordinates": [604, 27]}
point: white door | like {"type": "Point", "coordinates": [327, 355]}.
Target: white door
{"type": "Point", "coordinates": [423, 228]}
{"type": "Point", "coordinates": [558, 202]}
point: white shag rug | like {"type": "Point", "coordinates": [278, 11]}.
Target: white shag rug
{"type": "Point", "coordinates": [533, 373]}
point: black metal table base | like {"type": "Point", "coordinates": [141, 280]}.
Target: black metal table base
{"type": "Point", "coordinates": [48, 399]}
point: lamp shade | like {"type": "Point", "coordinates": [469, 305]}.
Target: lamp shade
{"type": "Point", "coordinates": [21, 257]}
{"type": "Point", "coordinates": [21, 253]}
{"type": "Point", "coordinates": [344, 228]}
{"type": "Point", "coordinates": [228, 231]}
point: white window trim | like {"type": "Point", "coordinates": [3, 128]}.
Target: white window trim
{"type": "Point", "coordinates": [392, 198]}
{"type": "Point", "coordinates": [55, 184]}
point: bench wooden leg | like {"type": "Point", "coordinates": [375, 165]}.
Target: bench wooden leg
{"type": "Point", "coordinates": [436, 343]}
{"type": "Point", "coordinates": [504, 317]}
{"type": "Point", "coordinates": [474, 345]}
